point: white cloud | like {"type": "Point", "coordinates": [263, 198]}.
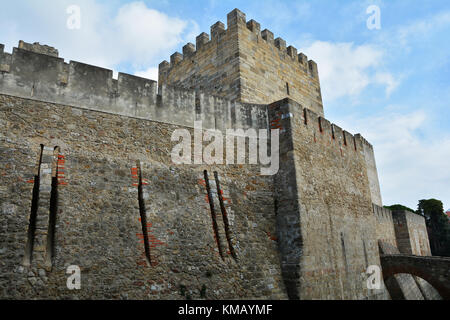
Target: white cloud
{"type": "Point", "coordinates": [110, 37]}
{"type": "Point", "coordinates": [150, 73]}
{"type": "Point", "coordinates": [411, 166]}
{"type": "Point", "coordinates": [388, 80]}
{"type": "Point", "coordinates": [423, 27]}
{"type": "Point", "coordinates": [144, 33]}
{"type": "Point", "coordinates": [346, 69]}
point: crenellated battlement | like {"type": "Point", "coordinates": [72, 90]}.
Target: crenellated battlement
{"type": "Point", "coordinates": [237, 19]}
{"type": "Point", "coordinates": [240, 62]}
{"type": "Point", "coordinates": [367, 143]}
{"type": "Point", "coordinates": [289, 52]}
{"type": "Point", "coordinates": [382, 213]}
{"type": "Point", "coordinates": [39, 48]}
{"type": "Point", "coordinates": [5, 59]}
{"type": "Point", "coordinates": [29, 74]}
{"type": "Point", "coordinates": [74, 139]}
{"type": "Point", "coordinates": [325, 133]}
{"type": "Point", "coordinates": [331, 132]}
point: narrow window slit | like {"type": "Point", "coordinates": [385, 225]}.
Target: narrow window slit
{"type": "Point", "coordinates": [365, 253]}
{"type": "Point", "coordinates": [198, 109]}
{"type": "Point", "coordinates": [143, 215]}
{"type": "Point", "coordinates": [287, 88]}
{"type": "Point", "coordinates": [344, 253]}
{"type": "Point", "coordinates": [354, 143]}
{"type": "Point", "coordinates": [320, 124]}
{"type": "Point", "coordinates": [345, 139]}
{"type": "Point", "coordinates": [50, 252]}
{"type": "Point", "coordinates": [213, 213]}
{"type": "Point", "coordinates": [224, 216]}
{"type": "Point", "coordinates": [305, 116]}
{"type": "Point", "coordinates": [33, 214]}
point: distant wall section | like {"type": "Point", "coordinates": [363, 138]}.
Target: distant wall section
{"type": "Point", "coordinates": [404, 230]}
{"type": "Point", "coordinates": [411, 233]}
{"type": "Point", "coordinates": [384, 225]}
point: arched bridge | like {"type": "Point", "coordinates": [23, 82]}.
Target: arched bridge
{"type": "Point", "coordinates": [435, 270]}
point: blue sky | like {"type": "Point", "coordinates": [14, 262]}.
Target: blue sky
{"type": "Point", "coordinates": [392, 85]}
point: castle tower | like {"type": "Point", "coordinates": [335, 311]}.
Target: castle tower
{"type": "Point", "coordinates": [245, 64]}
{"type": "Point", "coordinates": [327, 180]}
{"type": "Point", "coordinates": [309, 231]}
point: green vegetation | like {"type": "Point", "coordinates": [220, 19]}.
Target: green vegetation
{"type": "Point", "coordinates": [398, 207]}
{"type": "Point", "coordinates": [438, 226]}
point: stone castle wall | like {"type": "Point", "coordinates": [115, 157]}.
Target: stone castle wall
{"type": "Point", "coordinates": [244, 64]}
{"type": "Point", "coordinates": [42, 77]}
{"type": "Point", "coordinates": [400, 286]}
{"type": "Point", "coordinates": [404, 230]}
{"type": "Point", "coordinates": [372, 173]}
{"type": "Point", "coordinates": [87, 179]}
{"type": "Point", "coordinates": [411, 232]}
{"type": "Point", "coordinates": [327, 234]}
{"type": "Point", "coordinates": [270, 71]}
{"type": "Point", "coordinates": [82, 203]}
{"type": "Point", "coordinates": [210, 65]}
{"type": "Point", "coordinates": [102, 207]}
{"type": "Point", "coordinates": [385, 226]}
{"type": "Point", "coordinates": [393, 232]}
{"type": "Point", "coordinates": [97, 214]}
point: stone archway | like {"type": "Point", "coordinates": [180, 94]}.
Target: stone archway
{"type": "Point", "coordinates": [435, 270]}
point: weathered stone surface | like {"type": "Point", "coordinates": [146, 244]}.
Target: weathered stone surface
{"type": "Point", "coordinates": [435, 270]}
{"type": "Point", "coordinates": [87, 179]}
{"type": "Point", "coordinates": [246, 65]}
{"type": "Point", "coordinates": [411, 233]}
{"type": "Point", "coordinates": [396, 230]}
{"type": "Point", "coordinates": [98, 225]}
{"type": "Point", "coordinates": [326, 226]}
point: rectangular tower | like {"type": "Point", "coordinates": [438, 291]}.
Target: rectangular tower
{"type": "Point", "coordinates": [245, 64]}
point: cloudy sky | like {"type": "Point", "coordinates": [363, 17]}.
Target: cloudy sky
{"type": "Point", "coordinates": [390, 84]}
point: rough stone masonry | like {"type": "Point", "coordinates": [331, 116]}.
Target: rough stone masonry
{"type": "Point", "coordinates": [86, 179]}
